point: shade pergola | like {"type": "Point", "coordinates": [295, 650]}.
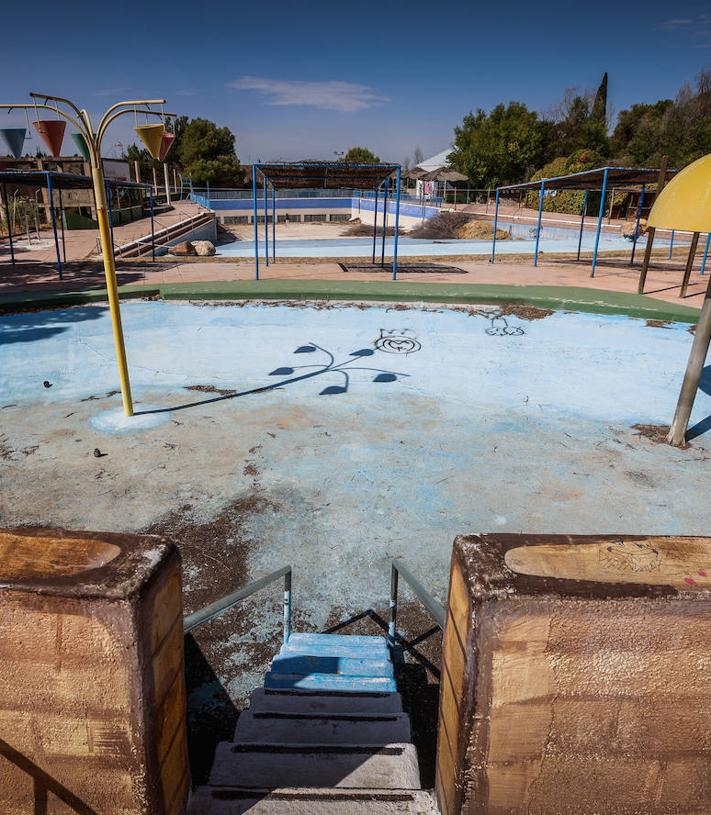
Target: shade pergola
{"type": "Point", "coordinates": [444, 174]}
{"type": "Point", "coordinates": [325, 175]}
{"type": "Point", "coordinates": [598, 180]}
{"type": "Point", "coordinates": [51, 180]}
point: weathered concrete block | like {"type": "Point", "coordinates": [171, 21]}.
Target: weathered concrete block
{"type": "Point", "coordinates": [577, 676]}
{"type": "Point", "coordinates": [92, 695]}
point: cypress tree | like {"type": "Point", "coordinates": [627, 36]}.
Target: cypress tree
{"type": "Point", "coordinates": [599, 108]}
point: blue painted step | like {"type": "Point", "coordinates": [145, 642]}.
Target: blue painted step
{"type": "Point", "coordinates": [337, 646]}
{"type": "Point", "coordinates": [295, 663]}
{"type": "Point", "coordinates": [330, 682]}
{"type": "Point", "coordinates": [309, 638]}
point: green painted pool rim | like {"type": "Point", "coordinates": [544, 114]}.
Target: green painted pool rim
{"type": "Point", "coordinates": [557, 298]}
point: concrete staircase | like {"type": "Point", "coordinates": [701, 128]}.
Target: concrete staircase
{"type": "Point", "coordinates": [326, 734]}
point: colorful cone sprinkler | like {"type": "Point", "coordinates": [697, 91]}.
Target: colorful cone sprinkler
{"type": "Point", "coordinates": [14, 137]}
{"type": "Point", "coordinates": [166, 143]}
{"type": "Point", "coordinates": [81, 145]}
{"type": "Point", "coordinates": [51, 131]}
{"type": "Point", "coordinates": [152, 136]}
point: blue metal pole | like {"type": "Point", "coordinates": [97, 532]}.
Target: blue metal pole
{"type": "Point", "coordinates": [266, 221]}
{"type": "Point", "coordinates": [540, 217]}
{"type": "Point", "coordinates": [54, 224]}
{"type": "Point", "coordinates": [582, 221]}
{"type": "Point", "coordinates": [375, 221]}
{"type": "Point", "coordinates": [274, 218]}
{"type": "Point", "coordinates": [706, 253]}
{"type": "Point", "coordinates": [9, 224]}
{"type": "Point", "coordinates": [385, 223]}
{"type": "Point", "coordinates": [397, 223]}
{"type": "Point", "coordinates": [603, 195]}
{"type": "Point", "coordinates": [636, 226]}
{"type": "Point", "coordinates": [496, 221]}
{"type": "Point", "coordinates": [61, 224]}
{"type": "Point", "coordinates": [153, 231]}
{"type": "Point", "coordinates": [671, 245]}
{"type": "Point", "coordinates": [254, 218]}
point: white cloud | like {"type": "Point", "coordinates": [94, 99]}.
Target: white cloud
{"type": "Point", "coordinates": [344, 97]}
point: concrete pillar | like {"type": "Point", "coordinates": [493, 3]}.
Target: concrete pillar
{"type": "Point", "coordinates": [92, 694]}
{"type": "Point", "coordinates": [575, 673]}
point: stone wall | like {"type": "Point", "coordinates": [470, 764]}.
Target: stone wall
{"type": "Point", "coordinates": [92, 696]}
{"type": "Point", "coordinates": [576, 677]}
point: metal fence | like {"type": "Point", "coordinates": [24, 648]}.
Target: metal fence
{"type": "Point", "coordinates": [203, 196]}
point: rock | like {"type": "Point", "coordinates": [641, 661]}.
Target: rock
{"type": "Point", "coordinates": [183, 249]}
{"type": "Point", "coordinates": [628, 227]}
{"type": "Point", "coordinates": [204, 248]}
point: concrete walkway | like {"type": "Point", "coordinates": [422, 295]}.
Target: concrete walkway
{"type": "Point", "coordinates": [82, 244]}
{"type": "Point", "coordinates": [613, 275]}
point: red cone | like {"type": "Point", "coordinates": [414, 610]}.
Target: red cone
{"type": "Point", "coordinates": [52, 133]}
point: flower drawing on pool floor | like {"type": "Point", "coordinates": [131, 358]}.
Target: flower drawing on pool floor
{"type": "Point", "coordinates": [397, 341]}
{"type": "Point", "coordinates": [342, 370]}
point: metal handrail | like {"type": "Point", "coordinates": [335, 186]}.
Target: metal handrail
{"type": "Point", "coordinates": [192, 621]}
{"type": "Point", "coordinates": [435, 609]}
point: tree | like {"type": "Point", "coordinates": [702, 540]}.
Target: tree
{"type": "Point", "coordinates": [360, 155]}
{"type": "Point", "coordinates": [145, 161]}
{"type": "Point", "coordinates": [599, 106]}
{"type": "Point", "coordinates": [502, 147]}
{"type": "Point", "coordinates": [579, 123]}
{"type": "Point", "coordinates": [679, 128]}
{"type": "Point", "coordinates": [645, 132]}
{"type": "Point", "coordinates": [207, 154]}
{"type": "Point", "coordinates": [566, 200]}
{"type": "Point", "coordinates": [419, 156]}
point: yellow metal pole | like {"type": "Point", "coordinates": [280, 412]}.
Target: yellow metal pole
{"type": "Point", "coordinates": [107, 251]}
{"type": "Point", "coordinates": [93, 140]}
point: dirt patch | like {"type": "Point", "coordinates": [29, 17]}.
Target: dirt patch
{"type": "Point", "coordinates": [658, 323]}
{"type": "Point", "coordinates": [525, 312]}
{"type": "Point", "coordinates": [211, 389]}
{"type": "Point", "coordinates": [654, 432]}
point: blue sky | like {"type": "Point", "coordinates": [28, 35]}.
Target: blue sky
{"type": "Point", "coordinates": [304, 79]}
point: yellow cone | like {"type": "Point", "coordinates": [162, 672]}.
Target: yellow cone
{"type": "Point", "coordinates": [685, 202]}
{"type": "Point", "coordinates": [152, 137]}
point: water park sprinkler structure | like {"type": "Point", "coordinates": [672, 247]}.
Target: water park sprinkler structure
{"type": "Point", "coordinates": [685, 204]}
{"type": "Point", "coordinates": [52, 133]}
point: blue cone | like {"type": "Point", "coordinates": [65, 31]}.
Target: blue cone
{"type": "Point", "coordinates": [15, 139]}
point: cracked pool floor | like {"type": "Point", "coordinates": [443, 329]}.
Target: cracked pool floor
{"type": "Point", "coordinates": [336, 438]}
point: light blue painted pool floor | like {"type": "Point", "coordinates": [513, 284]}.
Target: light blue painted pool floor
{"type": "Point", "coordinates": [489, 424]}
{"type": "Point", "coordinates": [552, 240]}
